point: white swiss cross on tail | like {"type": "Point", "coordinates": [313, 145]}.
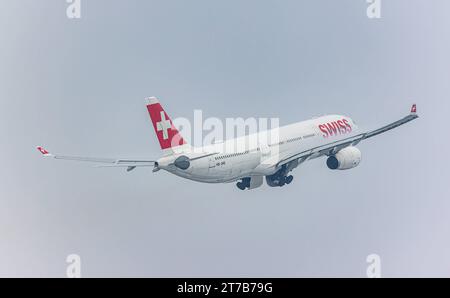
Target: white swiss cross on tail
{"type": "Point", "coordinates": [168, 135]}
{"type": "Point", "coordinates": [164, 125]}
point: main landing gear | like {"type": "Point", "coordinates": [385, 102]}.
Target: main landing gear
{"type": "Point", "coordinates": [288, 179]}
{"type": "Point", "coordinates": [245, 183]}
{"type": "Point", "coordinates": [280, 178]}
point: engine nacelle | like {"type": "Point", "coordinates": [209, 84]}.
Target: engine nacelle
{"type": "Point", "coordinates": [345, 159]}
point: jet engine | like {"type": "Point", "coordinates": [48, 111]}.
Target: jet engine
{"type": "Point", "coordinates": [345, 159]}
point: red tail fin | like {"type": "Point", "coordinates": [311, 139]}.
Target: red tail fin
{"type": "Point", "coordinates": [166, 132]}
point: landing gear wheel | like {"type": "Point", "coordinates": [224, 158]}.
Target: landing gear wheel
{"type": "Point", "coordinates": [246, 182]}
{"type": "Point", "coordinates": [241, 185]}
{"type": "Point", "coordinates": [289, 179]}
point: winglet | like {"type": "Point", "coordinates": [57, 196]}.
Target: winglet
{"type": "Point", "coordinates": [413, 109]}
{"type": "Point", "coordinates": [43, 151]}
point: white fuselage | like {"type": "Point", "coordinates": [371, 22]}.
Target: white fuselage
{"type": "Point", "coordinates": [257, 154]}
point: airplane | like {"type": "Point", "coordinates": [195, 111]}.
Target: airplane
{"type": "Point", "coordinates": [333, 136]}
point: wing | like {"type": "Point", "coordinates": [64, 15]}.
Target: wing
{"type": "Point", "coordinates": [130, 164]}
{"type": "Point", "coordinates": [334, 147]}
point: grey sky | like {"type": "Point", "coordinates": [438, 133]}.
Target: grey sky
{"type": "Point", "coordinates": [78, 86]}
